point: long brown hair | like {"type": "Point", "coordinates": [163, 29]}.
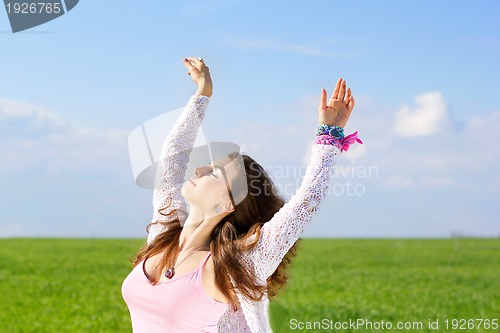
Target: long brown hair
{"type": "Point", "coordinates": [230, 237]}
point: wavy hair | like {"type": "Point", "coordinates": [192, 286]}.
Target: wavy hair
{"type": "Point", "coordinates": [237, 232]}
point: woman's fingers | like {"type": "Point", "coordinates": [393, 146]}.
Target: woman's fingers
{"type": "Point", "coordinates": [350, 105]}
{"type": "Point", "coordinates": [342, 91]}
{"type": "Point", "coordinates": [347, 96]}
{"type": "Point", "coordinates": [193, 63]}
{"type": "Point", "coordinates": [197, 63]}
{"type": "Point", "coordinates": [193, 60]}
{"type": "Point", "coordinates": [188, 64]}
{"type": "Point", "coordinates": [341, 102]}
{"type": "Point", "coordinates": [322, 101]}
{"type": "Point", "coordinates": [336, 90]}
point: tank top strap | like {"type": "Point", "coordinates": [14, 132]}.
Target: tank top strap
{"type": "Point", "coordinates": [205, 258]}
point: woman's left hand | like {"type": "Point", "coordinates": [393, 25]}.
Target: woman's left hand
{"type": "Point", "coordinates": [339, 108]}
{"type": "Point", "coordinates": [200, 74]}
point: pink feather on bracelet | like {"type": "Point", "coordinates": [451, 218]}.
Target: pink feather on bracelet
{"type": "Point", "coordinates": [349, 140]}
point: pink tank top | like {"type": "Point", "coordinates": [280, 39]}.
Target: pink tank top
{"type": "Point", "coordinates": [178, 305]}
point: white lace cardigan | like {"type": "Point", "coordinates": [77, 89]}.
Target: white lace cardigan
{"type": "Point", "coordinates": [277, 235]}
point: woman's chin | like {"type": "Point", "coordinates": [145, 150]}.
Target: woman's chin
{"type": "Point", "coordinates": [185, 190]}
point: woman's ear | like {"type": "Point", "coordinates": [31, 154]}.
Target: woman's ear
{"type": "Point", "coordinates": [227, 206]}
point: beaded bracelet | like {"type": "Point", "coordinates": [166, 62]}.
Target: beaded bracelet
{"type": "Point", "coordinates": [335, 131]}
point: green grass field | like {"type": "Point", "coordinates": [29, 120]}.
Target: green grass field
{"type": "Point", "coordinates": [74, 285]}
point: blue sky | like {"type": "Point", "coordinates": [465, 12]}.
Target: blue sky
{"type": "Point", "coordinates": [424, 75]}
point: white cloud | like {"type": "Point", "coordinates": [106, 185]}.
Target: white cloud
{"type": "Point", "coordinates": [429, 117]}
{"type": "Point", "coordinates": [10, 109]}
{"type": "Point", "coordinates": [22, 120]}
{"type": "Point", "coordinates": [454, 157]}
{"type": "Point", "coordinates": [35, 138]}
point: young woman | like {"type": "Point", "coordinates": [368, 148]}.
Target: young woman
{"type": "Point", "coordinates": [214, 266]}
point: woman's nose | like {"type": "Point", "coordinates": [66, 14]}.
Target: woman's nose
{"type": "Point", "coordinates": [200, 171]}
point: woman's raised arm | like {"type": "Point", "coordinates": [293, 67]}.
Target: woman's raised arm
{"type": "Point", "coordinates": [175, 152]}
{"type": "Point", "coordinates": [280, 233]}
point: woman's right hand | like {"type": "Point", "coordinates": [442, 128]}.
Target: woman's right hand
{"type": "Point", "coordinates": [200, 74]}
{"type": "Point", "coordinates": [339, 108]}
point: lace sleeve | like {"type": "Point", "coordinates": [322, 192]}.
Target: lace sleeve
{"type": "Point", "coordinates": [172, 165]}
{"type": "Point", "coordinates": [284, 229]}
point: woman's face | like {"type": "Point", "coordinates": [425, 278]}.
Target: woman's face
{"type": "Point", "coordinates": [208, 188]}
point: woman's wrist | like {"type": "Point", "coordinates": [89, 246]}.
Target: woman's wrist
{"type": "Point", "coordinates": [205, 88]}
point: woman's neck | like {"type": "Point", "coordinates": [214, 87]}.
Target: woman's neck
{"type": "Point", "coordinates": [196, 233]}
